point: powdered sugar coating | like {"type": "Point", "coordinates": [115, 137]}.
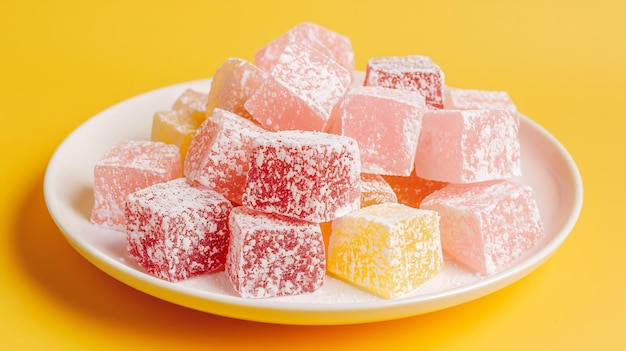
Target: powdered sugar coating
{"type": "Point", "coordinates": [218, 156]}
{"type": "Point", "coordinates": [174, 127]}
{"type": "Point", "coordinates": [177, 229]}
{"type": "Point", "coordinates": [476, 99]}
{"type": "Point", "coordinates": [389, 249]}
{"type": "Point", "coordinates": [486, 225]}
{"type": "Point", "coordinates": [271, 255]}
{"type": "Point", "coordinates": [330, 43]}
{"type": "Point", "coordinates": [233, 83]}
{"type": "Point", "coordinates": [128, 166]}
{"type": "Point", "coordinates": [312, 176]}
{"type": "Point", "coordinates": [375, 190]}
{"type": "Point", "coordinates": [413, 73]}
{"type": "Point", "coordinates": [386, 123]}
{"type": "Point", "coordinates": [466, 146]}
{"type": "Point", "coordinates": [302, 91]}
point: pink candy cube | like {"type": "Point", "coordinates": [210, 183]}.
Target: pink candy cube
{"type": "Point", "coordinates": [330, 43]}
{"type": "Point", "coordinates": [271, 255]}
{"type": "Point", "coordinates": [177, 229]}
{"type": "Point", "coordinates": [413, 73]}
{"type": "Point", "coordinates": [386, 123]}
{"type": "Point", "coordinates": [218, 155]}
{"type": "Point", "coordinates": [302, 91]}
{"type": "Point", "coordinates": [125, 168]}
{"type": "Point", "coordinates": [468, 146]}
{"type": "Point", "coordinates": [233, 83]}
{"type": "Point", "coordinates": [474, 99]}
{"type": "Point", "coordinates": [486, 225]}
{"type": "Point", "coordinates": [312, 176]}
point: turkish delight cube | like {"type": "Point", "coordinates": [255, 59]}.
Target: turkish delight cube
{"type": "Point", "coordinates": [126, 167]}
{"type": "Point", "coordinates": [218, 155]}
{"type": "Point", "coordinates": [332, 44]}
{"type": "Point", "coordinates": [413, 73]}
{"type": "Point", "coordinates": [233, 83]}
{"type": "Point", "coordinates": [302, 91]}
{"type": "Point", "coordinates": [375, 190]}
{"type": "Point", "coordinates": [389, 249]}
{"type": "Point", "coordinates": [476, 99]}
{"type": "Point", "coordinates": [486, 225]}
{"type": "Point", "coordinates": [193, 103]}
{"type": "Point", "coordinates": [313, 176]}
{"type": "Point", "coordinates": [177, 229]}
{"type": "Point", "coordinates": [271, 255]}
{"type": "Point", "coordinates": [174, 127]}
{"type": "Point", "coordinates": [467, 146]}
{"type": "Point", "coordinates": [386, 123]}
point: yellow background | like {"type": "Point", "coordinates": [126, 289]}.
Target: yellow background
{"type": "Point", "coordinates": [563, 62]}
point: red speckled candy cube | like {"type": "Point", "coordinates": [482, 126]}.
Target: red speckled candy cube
{"type": "Point", "coordinates": [218, 154]}
{"type": "Point", "coordinates": [386, 123]}
{"type": "Point", "coordinates": [233, 83]}
{"type": "Point", "coordinates": [312, 176]}
{"type": "Point", "coordinates": [271, 255]}
{"type": "Point", "coordinates": [127, 167]}
{"type": "Point", "coordinates": [326, 41]}
{"type": "Point", "coordinates": [177, 229]}
{"type": "Point", "coordinates": [414, 73]}
{"type": "Point", "coordinates": [302, 91]}
{"type": "Point", "coordinates": [467, 146]}
{"type": "Point", "coordinates": [486, 225]}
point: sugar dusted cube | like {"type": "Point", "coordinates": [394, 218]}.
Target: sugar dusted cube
{"type": "Point", "coordinates": [330, 43]}
{"type": "Point", "coordinates": [312, 176]}
{"type": "Point", "coordinates": [193, 103]}
{"type": "Point", "coordinates": [375, 190]}
{"type": "Point", "coordinates": [218, 155]}
{"type": "Point", "coordinates": [389, 249]}
{"type": "Point", "coordinates": [303, 90]}
{"type": "Point", "coordinates": [174, 127]}
{"type": "Point", "coordinates": [128, 166]}
{"type": "Point", "coordinates": [476, 99]}
{"type": "Point", "coordinates": [386, 123]}
{"type": "Point", "coordinates": [486, 225]}
{"type": "Point", "coordinates": [271, 255]}
{"type": "Point", "coordinates": [413, 73]}
{"type": "Point", "coordinates": [467, 146]}
{"type": "Point", "coordinates": [177, 229]}
{"type": "Point", "coordinates": [233, 83]}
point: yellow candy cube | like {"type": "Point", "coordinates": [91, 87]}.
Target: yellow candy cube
{"type": "Point", "coordinates": [174, 127]}
{"type": "Point", "coordinates": [388, 249]}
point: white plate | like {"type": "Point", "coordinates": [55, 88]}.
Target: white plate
{"type": "Point", "coordinates": [68, 183]}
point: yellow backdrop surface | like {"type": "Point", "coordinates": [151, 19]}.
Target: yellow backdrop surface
{"type": "Point", "coordinates": [61, 62]}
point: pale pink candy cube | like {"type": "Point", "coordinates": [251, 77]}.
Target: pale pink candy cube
{"type": "Point", "coordinates": [233, 83]}
{"type": "Point", "coordinates": [467, 146]}
{"type": "Point", "coordinates": [218, 155]}
{"type": "Point", "coordinates": [177, 229]}
{"type": "Point", "coordinates": [475, 99]}
{"type": "Point", "coordinates": [129, 166]}
{"type": "Point", "coordinates": [271, 255]}
{"type": "Point", "coordinates": [332, 44]}
{"type": "Point", "coordinates": [312, 176]}
{"type": "Point", "coordinates": [486, 225]}
{"type": "Point", "coordinates": [413, 73]}
{"type": "Point", "coordinates": [192, 103]}
{"type": "Point", "coordinates": [302, 91]}
{"type": "Point", "coordinates": [386, 124]}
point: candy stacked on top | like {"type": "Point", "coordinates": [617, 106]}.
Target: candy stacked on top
{"type": "Point", "coordinates": [280, 149]}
